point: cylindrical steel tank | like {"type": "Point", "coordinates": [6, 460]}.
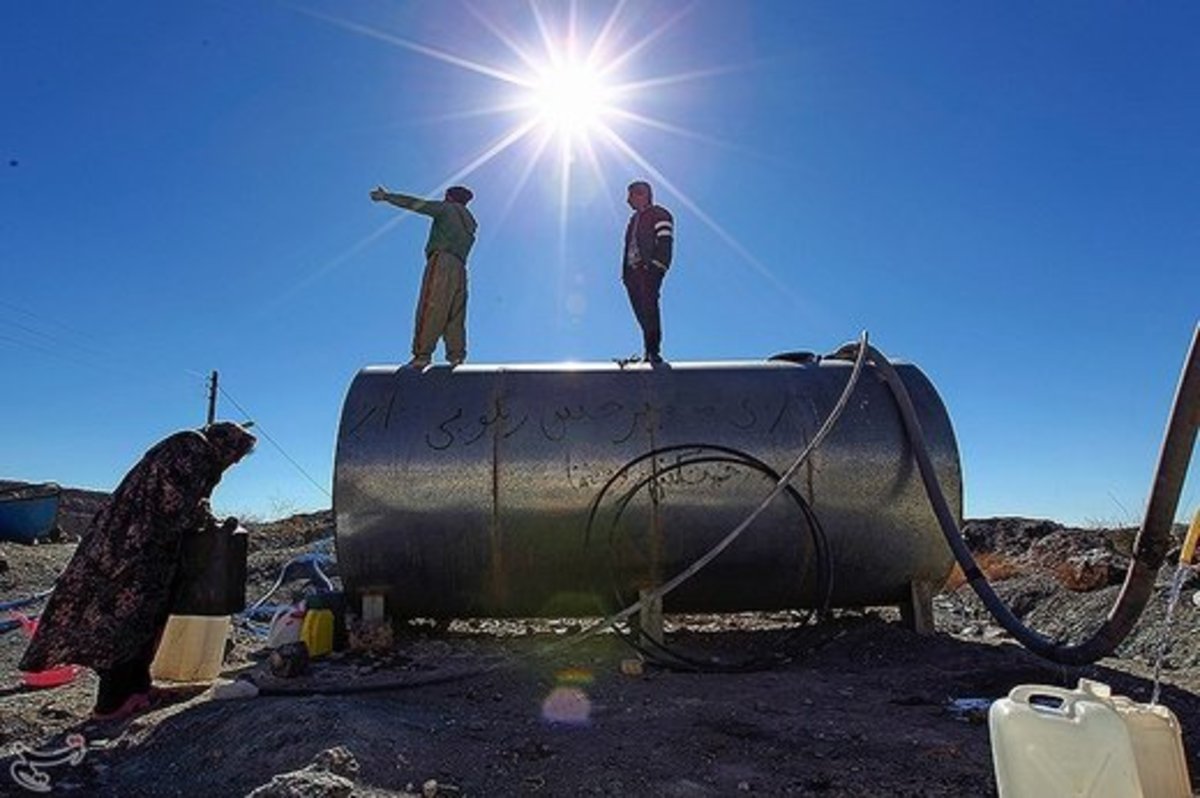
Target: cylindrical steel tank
{"type": "Point", "coordinates": [564, 489]}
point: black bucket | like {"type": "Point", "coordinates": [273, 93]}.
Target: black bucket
{"type": "Point", "coordinates": [212, 573]}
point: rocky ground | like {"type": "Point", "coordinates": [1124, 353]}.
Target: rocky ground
{"type": "Point", "coordinates": [763, 704]}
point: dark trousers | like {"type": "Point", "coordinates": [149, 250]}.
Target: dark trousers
{"type": "Point", "coordinates": [130, 677]}
{"type": "Point", "coordinates": [643, 286]}
{"type": "Point", "coordinates": [124, 679]}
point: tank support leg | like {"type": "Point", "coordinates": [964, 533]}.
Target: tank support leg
{"type": "Point", "coordinates": [917, 612]}
{"type": "Point", "coordinates": [372, 608]}
{"type": "Point", "coordinates": [650, 618]}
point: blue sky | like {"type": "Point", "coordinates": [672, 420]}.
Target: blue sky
{"type": "Point", "coordinates": [1006, 195]}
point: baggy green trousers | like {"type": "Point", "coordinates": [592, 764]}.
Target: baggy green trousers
{"type": "Point", "coordinates": [442, 308]}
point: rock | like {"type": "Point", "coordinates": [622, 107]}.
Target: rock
{"type": "Point", "coordinates": [1056, 548]}
{"type": "Point", "coordinates": [429, 789]}
{"type": "Point", "coordinates": [370, 637]}
{"type": "Point", "coordinates": [54, 711]}
{"type": "Point", "coordinates": [1091, 570]}
{"type": "Point", "coordinates": [1026, 594]}
{"type": "Point", "coordinates": [1013, 536]}
{"type": "Point", "coordinates": [330, 775]}
{"type": "Point", "coordinates": [234, 690]}
{"type": "Point", "coordinates": [289, 660]}
{"type": "Point", "coordinates": [632, 666]}
{"type": "Point", "coordinates": [337, 760]}
{"type": "Point", "coordinates": [305, 784]}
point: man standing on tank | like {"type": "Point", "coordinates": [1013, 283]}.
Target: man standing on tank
{"type": "Point", "coordinates": [649, 240]}
{"type": "Point", "coordinates": [442, 307]}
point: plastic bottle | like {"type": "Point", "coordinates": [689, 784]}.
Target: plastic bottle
{"type": "Point", "coordinates": [286, 625]}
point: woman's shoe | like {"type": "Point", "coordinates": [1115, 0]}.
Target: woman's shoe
{"type": "Point", "coordinates": [138, 702]}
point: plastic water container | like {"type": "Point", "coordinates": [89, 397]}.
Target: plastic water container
{"type": "Point", "coordinates": [192, 648]}
{"type": "Point", "coordinates": [317, 632]}
{"type": "Point", "coordinates": [286, 624]}
{"type": "Point", "coordinates": [1057, 743]}
{"type": "Point", "coordinates": [1157, 747]}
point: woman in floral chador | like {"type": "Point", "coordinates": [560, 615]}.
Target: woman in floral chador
{"type": "Point", "coordinates": [112, 600]}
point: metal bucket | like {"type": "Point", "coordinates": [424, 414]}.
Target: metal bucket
{"type": "Point", "coordinates": [564, 489]}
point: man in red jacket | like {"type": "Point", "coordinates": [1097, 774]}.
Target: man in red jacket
{"type": "Point", "coordinates": [649, 239]}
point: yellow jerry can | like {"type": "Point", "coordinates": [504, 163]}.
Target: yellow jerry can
{"type": "Point", "coordinates": [317, 632]}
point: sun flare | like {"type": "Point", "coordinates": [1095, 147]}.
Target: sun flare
{"type": "Point", "coordinates": [568, 90]}
{"type": "Point", "coordinates": [570, 98]}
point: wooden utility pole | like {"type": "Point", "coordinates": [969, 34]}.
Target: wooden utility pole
{"type": "Point", "coordinates": [212, 397]}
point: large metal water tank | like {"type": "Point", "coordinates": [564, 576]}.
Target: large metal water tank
{"type": "Point", "coordinates": [564, 489]}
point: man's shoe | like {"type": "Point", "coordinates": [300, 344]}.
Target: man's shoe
{"type": "Point", "coordinates": [418, 362]}
{"type": "Point", "coordinates": [455, 361]}
{"type": "Point", "coordinates": [653, 357]}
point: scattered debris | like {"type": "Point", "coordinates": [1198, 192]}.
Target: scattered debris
{"type": "Point", "coordinates": [331, 775]}
{"type": "Point", "coordinates": [289, 660]}
{"type": "Point", "coordinates": [364, 636]}
{"type": "Point", "coordinates": [970, 710]}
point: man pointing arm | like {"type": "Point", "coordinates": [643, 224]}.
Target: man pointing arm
{"type": "Point", "coordinates": [442, 306]}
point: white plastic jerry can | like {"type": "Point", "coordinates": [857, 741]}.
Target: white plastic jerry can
{"type": "Point", "coordinates": [1049, 742]}
{"type": "Point", "coordinates": [1157, 747]}
{"type": "Point", "coordinates": [285, 626]}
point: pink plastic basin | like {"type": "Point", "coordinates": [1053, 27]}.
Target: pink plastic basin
{"type": "Point", "coordinates": [53, 677]}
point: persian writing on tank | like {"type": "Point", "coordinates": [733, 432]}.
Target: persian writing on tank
{"type": "Point", "coordinates": [614, 421]}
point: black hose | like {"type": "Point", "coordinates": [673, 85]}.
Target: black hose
{"type": "Point", "coordinates": [669, 657]}
{"type": "Point", "coordinates": [736, 457]}
{"type": "Point", "coordinates": [1150, 547]}
{"type": "Point", "coordinates": [375, 687]}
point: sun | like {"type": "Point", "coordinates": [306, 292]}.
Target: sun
{"type": "Point", "coordinates": [567, 89]}
{"type": "Point", "coordinates": [571, 98]}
